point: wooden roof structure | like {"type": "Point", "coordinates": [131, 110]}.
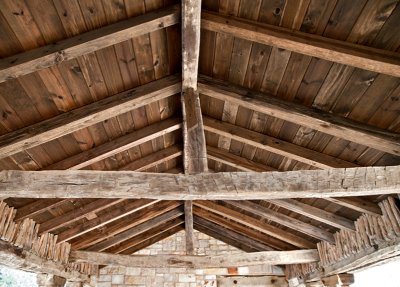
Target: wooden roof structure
{"type": "Point", "coordinates": [261, 86]}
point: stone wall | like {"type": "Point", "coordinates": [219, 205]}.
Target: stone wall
{"type": "Point", "coordinates": [170, 277]}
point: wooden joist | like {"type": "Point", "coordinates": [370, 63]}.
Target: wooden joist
{"type": "Point", "coordinates": [37, 207]}
{"type": "Point", "coordinates": [118, 145]}
{"type": "Point", "coordinates": [358, 204]}
{"type": "Point", "coordinates": [88, 115]}
{"type": "Point", "coordinates": [166, 261]}
{"type": "Point", "coordinates": [46, 56]}
{"type": "Point", "coordinates": [368, 58]}
{"type": "Point", "coordinates": [315, 213]}
{"type": "Point", "coordinates": [315, 119]}
{"type": "Point", "coordinates": [284, 220]}
{"type": "Point", "coordinates": [256, 224]}
{"type": "Point", "coordinates": [207, 186]}
{"type": "Point", "coordinates": [274, 145]}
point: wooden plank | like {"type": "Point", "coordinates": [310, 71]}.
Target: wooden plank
{"type": "Point", "coordinates": [315, 213]}
{"type": "Point", "coordinates": [315, 119]}
{"type": "Point", "coordinates": [118, 145]}
{"type": "Point", "coordinates": [235, 161]}
{"type": "Point", "coordinates": [376, 60]}
{"type": "Point", "coordinates": [359, 204]}
{"type": "Point", "coordinates": [274, 145]}
{"type": "Point", "coordinates": [76, 214]}
{"type": "Point", "coordinates": [284, 220]}
{"type": "Point", "coordinates": [256, 224]}
{"type": "Point", "coordinates": [188, 207]}
{"type": "Point", "coordinates": [198, 262]}
{"type": "Point", "coordinates": [70, 48]}
{"type": "Point", "coordinates": [88, 115]}
{"type": "Point", "coordinates": [16, 258]}
{"type": "Point", "coordinates": [154, 159]}
{"type": "Point", "coordinates": [37, 207]}
{"type": "Point", "coordinates": [109, 217]}
{"type": "Point", "coordinates": [358, 181]}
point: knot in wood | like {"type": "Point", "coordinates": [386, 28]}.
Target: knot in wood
{"type": "Point", "coordinates": [59, 56]}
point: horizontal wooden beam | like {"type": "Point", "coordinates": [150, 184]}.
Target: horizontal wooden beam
{"type": "Point", "coordinates": [17, 258]}
{"type": "Point", "coordinates": [315, 119]}
{"type": "Point", "coordinates": [315, 213]}
{"type": "Point", "coordinates": [368, 58]}
{"type": "Point", "coordinates": [235, 161]}
{"type": "Point", "coordinates": [55, 53]}
{"type": "Point", "coordinates": [274, 145]}
{"type": "Point", "coordinates": [193, 261]}
{"type": "Point", "coordinates": [209, 186]}
{"type": "Point", "coordinates": [118, 145]}
{"type": "Point", "coordinates": [88, 115]}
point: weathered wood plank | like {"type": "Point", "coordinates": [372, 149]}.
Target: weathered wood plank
{"type": "Point", "coordinates": [46, 56]}
{"type": "Point", "coordinates": [376, 60]}
{"type": "Point", "coordinates": [88, 115]}
{"type": "Point", "coordinates": [192, 261]}
{"type": "Point", "coordinates": [230, 186]}
{"type": "Point", "coordinates": [315, 119]}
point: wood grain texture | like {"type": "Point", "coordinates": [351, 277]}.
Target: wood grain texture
{"type": "Point", "coordinates": [359, 181]}
{"type": "Point", "coordinates": [234, 260]}
{"type": "Point", "coordinates": [359, 56]}
{"type": "Point", "coordinates": [70, 48]}
{"type": "Point", "coordinates": [88, 115]}
{"type": "Point", "coordinates": [315, 119]}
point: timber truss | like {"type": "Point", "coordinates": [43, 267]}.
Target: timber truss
{"type": "Point", "coordinates": [318, 248]}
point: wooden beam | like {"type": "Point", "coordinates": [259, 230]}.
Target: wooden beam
{"type": "Point", "coordinates": [37, 207]}
{"type": "Point", "coordinates": [124, 224]}
{"type": "Point", "coordinates": [156, 221]}
{"type": "Point", "coordinates": [88, 115]}
{"type": "Point", "coordinates": [256, 224]}
{"type": "Point", "coordinates": [315, 119]}
{"type": "Point", "coordinates": [55, 53]}
{"type": "Point", "coordinates": [233, 235]}
{"type": "Point", "coordinates": [368, 58]}
{"type": "Point", "coordinates": [154, 159]}
{"type": "Point", "coordinates": [235, 161]}
{"type": "Point", "coordinates": [198, 262]}
{"type": "Point", "coordinates": [188, 205]}
{"type": "Point", "coordinates": [208, 186]}
{"type": "Point", "coordinates": [274, 145]}
{"type": "Point", "coordinates": [17, 258]}
{"type": "Point", "coordinates": [118, 145]}
{"type": "Point", "coordinates": [115, 214]}
{"type": "Point", "coordinates": [358, 204]}
{"type": "Point", "coordinates": [284, 220]}
{"type": "Point", "coordinates": [76, 214]}
{"type": "Point", "coordinates": [245, 230]}
{"type": "Point", "coordinates": [315, 213]}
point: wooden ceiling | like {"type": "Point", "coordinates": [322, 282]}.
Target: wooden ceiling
{"type": "Point", "coordinates": [264, 108]}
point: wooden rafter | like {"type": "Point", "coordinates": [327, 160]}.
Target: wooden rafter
{"type": "Point", "coordinates": [118, 145]}
{"type": "Point", "coordinates": [315, 119]}
{"type": "Point", "coordinates": [359, 204]}
{"type": "Point", "coordinates": [37, 207]}
{"type": "Point", "coordinates": [376, 60]}
{"type": "Point", "coordinates": [193, 261]}
{"type": "Point", "coordinates": [88, 115]}
{"type": "Point", "coordinates": [46, 56]}
{"type": "Point", "coordinates": [339, 182]}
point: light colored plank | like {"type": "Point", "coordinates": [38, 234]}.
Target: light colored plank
{"type": "Point", "coordinates": [233, 260]}
{"type": "Point", "coordinates": [88, 115]}
{"type": "Point", "coordinates": [338, 182]}
{"type": "Point", "coordinates": [46, 56]}
{"type": "Point", "coordinates": [376, 60]}
{"type": "Point", "coordinates": [315, 119]}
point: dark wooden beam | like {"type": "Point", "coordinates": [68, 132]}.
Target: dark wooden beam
{"type": "Point", "coordinates": [315, 119]}
{"type": "Point", "coordinates": [118, 145]}
{"type": "Point", "coordinates": [256, 224]}
{"type": "Point", "coordinates": [37, 207]}
{"type": "Point", "coordinates": [284, 220]}
{"type": "Point", "coordinates": [358, 204]}
{"type": "Point", "coordinates": [274, 145]}
{"type": "Point", "coordinates": [198, 262]}
{"type": "Point", "coordinates": [88, 115]}
{"type": "Point", "coordinates": [368, 58]}
{"type": "Point", "coordinates": [225, 186]}
{"type": "Point", "coordinates": [64, 50]}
